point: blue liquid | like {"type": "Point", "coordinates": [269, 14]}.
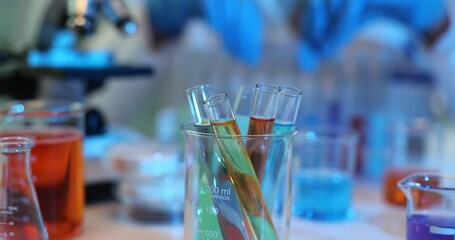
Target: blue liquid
{"type": "Point", "coordinates": [322, 194]}
{"type": "Point", "coordinates": [243, 122]}
{"type": "Point", "coordinates": [280, 127]}
{"type": "Point", "coordinates": [274, 170]}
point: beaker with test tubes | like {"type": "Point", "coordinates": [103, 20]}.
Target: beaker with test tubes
{"type": "Point", "coordinates": [228, 201]}
{"type": "Point", "coordinates": [430, 206]}
{"type": "Point", "coordinates": [20, 216]}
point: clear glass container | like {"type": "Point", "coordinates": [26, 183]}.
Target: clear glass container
{"type": "Point", "coordinates": [20, 216]}
{"type": "Point", "coordinates": [57, 162]}
{"type": "Point", "coordinates": [323, 174]}
{"type": "Point", "coordinates": [213, 206]}
{"type": "Point", "coordinates": [430, 206]}
{"type": "Point", "coordinates": [151, 181]}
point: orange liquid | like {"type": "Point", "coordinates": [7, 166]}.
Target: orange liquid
{"type": "Point", "coordinates": [392, 192]}
{"type": "Point", "coordinates": [258, 147]}
{"type": "Point", "coordinates": [58, 176]}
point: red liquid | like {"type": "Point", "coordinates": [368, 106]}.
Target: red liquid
{"type": "Point", "coordinates": [58, 175]}
{"type": "Point", "coordinates": [258, 147]}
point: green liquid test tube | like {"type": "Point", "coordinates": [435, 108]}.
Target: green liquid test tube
{"type": "Point", "coordinates": [240, 169]}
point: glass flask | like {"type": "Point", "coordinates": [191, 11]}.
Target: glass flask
{"type": "Point", "coordinates": [20, 216]}
{"type": "Point", "coordinates": [57, 162]}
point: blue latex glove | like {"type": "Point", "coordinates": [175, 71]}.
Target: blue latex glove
{"type": "Point", "coordinates": [325, 26]}
{"type": "Point", "coordinates": [239, 25]}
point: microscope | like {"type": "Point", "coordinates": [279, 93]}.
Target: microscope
{"type": "Point", "coordinates": [54, 65]}
{"type": "Point", "coordinates": [82, 15]}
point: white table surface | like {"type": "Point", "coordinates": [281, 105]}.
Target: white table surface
{"type": "Point", "coordinates": [375, 220]}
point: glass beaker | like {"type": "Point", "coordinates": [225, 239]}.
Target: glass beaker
{"type": "Point", "coordinates": [20, 216]}
{"type": "Point", "coordinates": [56, 158]}
{"type": "Point", "coordinates": [430, 206]}
{"type": "Point", "coordinates": [150, 181]}
{"type": "Point", "coordinates": [212, 207]}
{"type": "Point", "coordinates": [323, 174]}
{"type": "Point", "coordinates": [413, 147]}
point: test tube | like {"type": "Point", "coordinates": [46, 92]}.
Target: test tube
{"type": "Point", "coordinates": [239, 167]}
{"type": "Point", "coordinates": [262, 122]}
{"type": "Point", "coordinates": [287, 109]}
{"type": "Point", "coordinates": [242, 107]}
{"type": "Point", "coordinates": [213, 173]}
{"type": "Point", "coordinates": [196, 97]}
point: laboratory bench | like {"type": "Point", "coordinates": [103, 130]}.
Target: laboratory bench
{"type": "Point", "coordinates": [374, 220]}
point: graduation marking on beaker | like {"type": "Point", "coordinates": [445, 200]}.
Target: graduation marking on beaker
{"type": "Point", "coordinates": [442, 230]}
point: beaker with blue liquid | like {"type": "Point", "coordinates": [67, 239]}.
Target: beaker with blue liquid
{"type": "Point", "coordinates": [323, 174]}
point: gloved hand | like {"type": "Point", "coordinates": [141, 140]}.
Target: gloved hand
{"type": "Point", "coordinates": [239, 25]}
{"type": "Point", "coordinates": [325, 26]}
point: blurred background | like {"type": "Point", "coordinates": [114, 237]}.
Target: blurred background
{"type": "Point", "coordinates": [374, 66]}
